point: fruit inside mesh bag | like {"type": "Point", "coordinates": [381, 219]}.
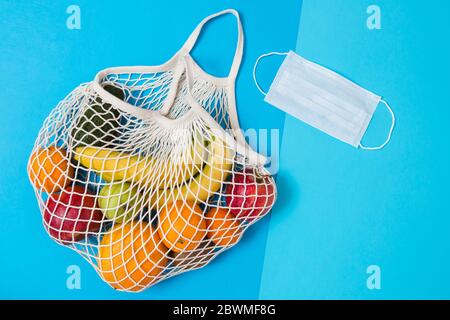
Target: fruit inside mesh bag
{"type": "Point", "coordinates": [151, 215]}
{"type": "Point", "coordinates": [99, 123]}
{"type": "Point", "coordinates": [250, 195]}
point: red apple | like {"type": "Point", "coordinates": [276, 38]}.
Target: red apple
{"type": "Point", "coordinates": [250, 195]}
{"type": "Point", "coordinates": [71, 215]}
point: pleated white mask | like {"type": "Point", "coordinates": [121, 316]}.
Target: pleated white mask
{"type": "Point", "coordinates": [323, 99]}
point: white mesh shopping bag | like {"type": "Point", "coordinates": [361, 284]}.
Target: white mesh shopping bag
{"type": "Point", "coordinates": [145, 173]}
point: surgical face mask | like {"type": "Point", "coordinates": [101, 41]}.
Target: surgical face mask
{"type": "Point", "coordinates": [323, 99]}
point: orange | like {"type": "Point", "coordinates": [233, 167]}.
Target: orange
{"type": "Point", "coordinates": [181, 226]}
{"type": "Point", "coordinates": [223, 227]}
{"type": "Point", "coordinates": [50, 169]}
{"type": "Point", "coordinates": [132, 256]}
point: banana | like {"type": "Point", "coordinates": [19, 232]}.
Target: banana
{"type": "Point", "coordinates": [152, 172]}
{"type": "Point", "coordinates": [166, 181]}
{"type": "Point", "coordinates": [207, 182]}
{"type": "Point", "coordinates": [109, 164]}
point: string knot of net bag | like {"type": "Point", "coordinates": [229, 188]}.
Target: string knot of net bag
{"type": "Point", "coordinates": [145, 172]}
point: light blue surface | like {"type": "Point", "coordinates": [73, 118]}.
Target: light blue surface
{"type": "Point", "coordinates": [341, 209]}
{"type": "Point", "coordinates": [41, 61]}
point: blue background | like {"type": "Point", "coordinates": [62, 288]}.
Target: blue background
{"type": "Point", "coordinates": [339, 210]}
{"type": "Point", "coordinates": [343, 209]}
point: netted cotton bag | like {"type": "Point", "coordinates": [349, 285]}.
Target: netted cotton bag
{"type": "Point", "coordinates": [145, 173]}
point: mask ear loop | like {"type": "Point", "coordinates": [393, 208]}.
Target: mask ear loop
{"type": "Point", "coordinates": [390, 131]}
{"type": "Point", "coordinates": [265, 55]}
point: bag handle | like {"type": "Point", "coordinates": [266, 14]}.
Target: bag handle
{"type": "Point", "coordinates": [191, 41]}
{"type": "Point", "coordinates": [241, 147]}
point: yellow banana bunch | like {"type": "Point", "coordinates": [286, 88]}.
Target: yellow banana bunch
{"type": "Point", "coordinates": [166, 181]}
{"type": "Point", "coordinates": [111, 165]}
{"type": "Point", "coordinates": [152, 172]}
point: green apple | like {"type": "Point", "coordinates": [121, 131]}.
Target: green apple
{"type": "Point", "coordinates": [118, 201]}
